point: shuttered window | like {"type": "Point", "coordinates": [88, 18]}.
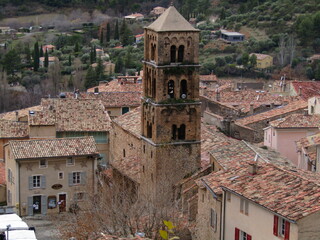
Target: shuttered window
{"type": "Point", "coordinates": [77, 178]}
{"type": "Point", "coordinates": [241, 235]}
{"type": "Point", "coordinates": [281, 227]}
{"type": "Point", "coordinates": [37, 181]}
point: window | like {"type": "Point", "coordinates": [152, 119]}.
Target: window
{"type": "Point", "coordinates": [36, 181]}
{"type": "Point", "coordinates": [244, 206]}
{"type": "Point", "coordinates": [241, 235]}
{"type": "Point", "coordinates": [312, 109]}
{"type": "Point", "coordinates": [182, 132]}
{"type": "Point", "coordinates": [43, 163]}
{"type": "Point", "coordinates": [124, 153]}
{"type": "Point", "coordinates": [60, 175]}
{"type": "Point", "coordinates": [180, 53]}
{"type": "Point", "coordinates": [9, 175]}
{"type": "Point", "coordinates": [281, 227]}
{"type": "Point", "coordinates": [52, 202]}
{"type": "Point", "coordinates": [70, 161]}
{"type": "Point", "coordinates": [171, 89]}
{"type": "Point", "coordinates": [213, 219]}
{"type": "Point", "coordinates": [173, 54]}
{"type": "Point", "coordinates": [125, 110]}
{"type": "Point", "coordinates": [76, 176]}
{"type": "Point", "coordinates": [174, 132]}
{"type": "Point", "coordinates": [183, 89]}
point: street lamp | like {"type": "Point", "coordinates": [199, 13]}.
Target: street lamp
{"type": "Point", "coordinates": [8, 226]}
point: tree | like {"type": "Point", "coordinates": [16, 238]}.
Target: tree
{"type": "Point", "coordinates": [93, 54]}
{"type": "Point", "coordinates": [253, 60]}
{"type": "Point", "coordinates": [46, 59]}
{"type": "Point", "coordinates": [11, 62]}
{"type": "Point", "coordinates": [128, 58]}
{"type": "Point", "coordinates": [245, 59]}
{"type": "Point", "coordinates": [119, 65]}
{"type": "Point", "coordinates": [70, 60]}
{"type": "Point", "coordinates": [124, 33]}
{"type": "Point", "coordinates": [54, 77]}
{"type": "Point", "coordinates": [36, 60]}
{"type": "Point", "coordinates": [91, 78]}
{"type": "Point", "coordinates": [100, 70]}
{"type": "Point", "coordinates": [116, 31]}
{"type": "Point", "coordinates": [41, 54]}
{"type": "Point", "coordinates": [108, 33]}
{"type": "Point", "coordinates": [282, 50]}
{"type": "Point", "coordinates": [77, 48]}
{"type": "Point", "coordinates": [101, 35]}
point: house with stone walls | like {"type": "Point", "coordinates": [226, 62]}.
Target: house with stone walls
{"type": "Point", "coordinates": [46, 176]}
{"type": "Point", "coordinates": [250, 128]}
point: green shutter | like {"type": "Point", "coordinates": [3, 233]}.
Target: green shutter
{"type": "Point", "coordinates": [44, 205]}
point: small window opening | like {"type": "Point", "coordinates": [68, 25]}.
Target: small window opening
{"type": "Point", "coordinates": [183, 89]}
{"type": "Point", "coordinates": [174, 132]}
{"type": "Point", "coordinates": [173, 50]}
{"type": "Point", "coordinates": [180, 53]}
{"type": "Point", "coordinates": [171, 89]}
{"type": "Point", "coordinates": [182, 132]}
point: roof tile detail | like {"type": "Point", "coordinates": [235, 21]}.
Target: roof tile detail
{"type": "Point", "coordinates": [48, 148]}
{"type": "Point", "coordinates": [13, 129]}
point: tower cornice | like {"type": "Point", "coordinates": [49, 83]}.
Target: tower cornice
{"type": "Point", "coordinates": [172, 65]}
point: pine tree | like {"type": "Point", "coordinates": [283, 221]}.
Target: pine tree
{"type": "Point", "coordinates": [46, 59]}
{"type": "Point", "coordinates": [91, 78]}
{"type": "Point", "coordinates": [108, 33]}
{"type": "Point", "coordinates": [36, 61]}
{"type": "Point", "coordinates": [116, 31]}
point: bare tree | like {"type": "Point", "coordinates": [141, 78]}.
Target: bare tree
{"type": "Point", "coordinates": [291, 48]}
{"type": "Point", "coordinates": [54, 77]}
{"type": "Point", "coordinates": [282, 50]}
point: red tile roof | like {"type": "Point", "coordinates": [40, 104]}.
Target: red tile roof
{"type": "Point", "coordinates": [21, 113]}
{"type": "Point", "coordinates": [117, 86]}
{"type": "Point", "coordinates": [291, 107]}
{"type": "Point", "coordinates": [112, 99]}
{"type": "Point", "coordinates": [13, 129]}
{"type": "Point", "coordinates": [286, 192]}
{"type": "Point", "coordinates": [309, 141]}
{"type": "Point", "coordinates": [130, 122]}
{"type": "Point", "coordinates": [2, 173]}
{"type": "Point", "coordinates": [297, 121]}
{"type": "Point", "coordinates": [308, 88]}
{"type": "Point", "coordinates": [59, 147]}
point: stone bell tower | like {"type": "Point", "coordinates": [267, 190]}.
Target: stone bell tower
{"type": "Point", "coordinates": [170, 105]}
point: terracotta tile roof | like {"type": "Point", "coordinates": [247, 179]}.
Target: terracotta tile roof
{"type": "Point", "coordinates": [72, 115]}
{"type": "Point", "coordinates": [285, 192]}
{"type": "Point", "coordinates": [130, 166]}
{"type": "Point", "coordinates": [59, 147]}
{"type": "Point", "coordinates": [21, 113]}
{"type": "Point", "coordinates": [212, 138]}
{"type": "Point", "coordinates": [13, 129]}
{"type": "Point", "coordinates": [118, 86]}
{"type": "Point", "coordinates": [237, 154]}
{"type": "Point", "coordinates": [309, 141]}
{"type": "Point", "coordinates": [297, 121]}
{"type": "Point", "coordinates": [130, 122]}
{"type": "Point", "coordinates": [210, 77]}
{"type": "Point", "coordinates": [2, 173]}
{"type": "Point", "coordinates": [112, 99]}
{"type": "Point", "coordinates": [308, 88]}
{"type": "Point", "coordinates": [291, 107]}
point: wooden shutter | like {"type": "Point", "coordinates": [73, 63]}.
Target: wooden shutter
{"type": "Point", "coordinates": [249, 237]}
{"type": "Point", "coordinates": [44, 205]}
{"type": "Point", "coordinates": [83, 177]}
{"type": "Point", "coordinates": [30, 205]}
{"type": "Point", "coordinates": [287, 230]}
{"type": "Point", "coordinates": [43, 181]}
{"type": "Point", "coordinates": [30, 182]}
{"type": "Point", "coordinates": [70, 179]}
{"type": "Point", "coordinates": [275, 225]}
{"type": "Point", "coordinates": [236, 234]}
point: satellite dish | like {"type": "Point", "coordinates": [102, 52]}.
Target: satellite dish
{"type": "Point", "coordinates": [183, 96]}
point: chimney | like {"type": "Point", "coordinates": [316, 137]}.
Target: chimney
{"type": "Point", "coordinates": [272, 105]}
{"type": "Point", "coordinates": [305, 112]}
{"type": "Point", "coordinates": [217, 95]}
{"type": "Point", "coordinates": [299, 91]}
{"type": "Point", "coordinates": [251, 108]}
{"type": "Point", "coordinates": [17, 116]}
{"type": "Point", "coordinates": [253, 168]}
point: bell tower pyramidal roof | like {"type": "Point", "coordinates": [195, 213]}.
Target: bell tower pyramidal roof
{"type": "Point", "coordinates": [171, 20]}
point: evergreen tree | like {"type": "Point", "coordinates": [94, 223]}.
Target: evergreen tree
{"type": "Point", "coordinates": [36, 61]}
{"type": "Point", "coordinates": [108, 33]}
{"type": "Point", "coordinates": [101, 36]}
{"type": "Point", "coordinates": [41, 54]}
{"type": "Point", "coordinates": [11, 62]}
{"type": "Point", "coordinates": [124, 33]}
{"type": "Point", "coordinates": [100, 70]}
{"type": "Point", "coordinates": [119, 65]}
{"type": "Point", "coordinates": [70, 60]}
{"type": "Point", "coordinates": [46, 59]}
{"type": "Point", "coordinates": [93, 54]}
{"type": "Point", "coordinates": [77, 47]}
{"type": "Point", "coordinates": [128, 58]}
{"type": "Point", "coordinates": [28, 54]}
{"type": "Point", "coordinates": [116, 31]}
{"type": "Point", "coordinates": [91, 78]}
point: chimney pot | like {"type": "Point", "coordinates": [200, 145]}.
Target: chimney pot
{"type": "Point", "coordinates": [253, 168]}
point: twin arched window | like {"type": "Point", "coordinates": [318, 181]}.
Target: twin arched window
{"type": "Point", "coordinates": [173, 54]}
{"type": "Point", "coordinates": [183, 89]}
{"type": "Point", "coordinates": [179, 133]}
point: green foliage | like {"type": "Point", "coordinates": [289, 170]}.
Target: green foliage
{"type": "Point", "coordinates": [36, 56]}
{"type": "Point", "coordinates": [165, 234]}
{"type": "Point", "coordinates": [46, 59]}
{"type": "Point", "coordinates": [11, 62]}
{"type": "Point", "coordinates": [91, 78]}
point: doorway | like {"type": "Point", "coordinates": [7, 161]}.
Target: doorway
{"type": "Point", "coordinates": [36, 205]}
{"type": "Point", "coordinates": [62, 202]}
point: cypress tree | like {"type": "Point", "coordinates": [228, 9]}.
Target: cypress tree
{"type": "Point", "coordinates": [70, 61]}
{"type": "Point", "coordinates": [100, 70]}
{"type": "Point", "coordinates": [46, 59]}
{"type": "Point", "coordinates": [36, 61]}
{"type": "Point", "coordinates": [116, 31]}
{"type": "Point", "coordinates": [108, 33]}
{"type": "Point", "coordinates": [41, 51]}
{"type": "Point", "coordinates": [101, 36]}
{"type": "Point", "coordinates": [119, 65]}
